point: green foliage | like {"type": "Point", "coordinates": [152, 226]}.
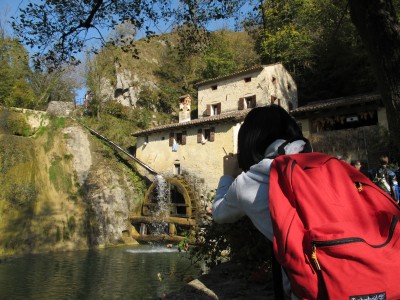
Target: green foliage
{"type": "Point", "coordinates": [115, 109]}
{"type": "Point", "coordinates": [219, 61]}
{"type": "Point", "coordinates": [238, 241]}
{"type": "Point", "coordinates": [17, 124]}
{"type": "Point", "coordinates": [15, 89]}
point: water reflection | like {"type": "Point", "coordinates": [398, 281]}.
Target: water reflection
{"type": "Point", "coordinates": [143, 272]}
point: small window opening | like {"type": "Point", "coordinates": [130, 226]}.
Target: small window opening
{"type": "Point", "coordinates": [250, 102]}
{"type": "Point", "coordinates": [214, 109]}
{"type": "Point", "coordinates": [207, 134]}
{"type": "Point", "coordinates": [247, 79]}
{"type": "Point", "coordinates": [214, 87]}
{"type": "Point", "coordinates": [289, 86]}
{"type": "Point", "coordinates": [177, 169]}
{"type": "Point", "coordinates": [273, 79]}
{"type": "Point", "coordinates": [179, 138]}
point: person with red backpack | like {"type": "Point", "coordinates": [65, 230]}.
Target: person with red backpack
{"type": "Point", "coordinates": [261, 137]}
{"type": "Point", "coordinates": [334, 232]}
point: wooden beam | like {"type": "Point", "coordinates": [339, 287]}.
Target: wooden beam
{"type": "Point", "coordinates": [175, 220]}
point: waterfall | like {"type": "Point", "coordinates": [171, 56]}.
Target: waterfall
{"type": "Point", "coordinates": [162, 206]}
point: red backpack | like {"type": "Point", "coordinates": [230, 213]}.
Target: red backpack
{"type": "Point", "coordinates": [336, 234]}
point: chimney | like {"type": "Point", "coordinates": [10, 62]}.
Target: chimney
{"type": "Point", "coordinates": [184, 108]}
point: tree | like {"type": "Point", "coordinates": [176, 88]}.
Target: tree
{"type": "Point", "coordinates": [15, 89]}
{"type": "Point", "coordinates": [377, 24]}
{"type": "Point", "coordinates": [60, 29]}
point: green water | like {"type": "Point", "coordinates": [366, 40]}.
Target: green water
{"type": "Point", "coordinates": [141, 272]}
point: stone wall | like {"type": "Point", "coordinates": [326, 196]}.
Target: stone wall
{"type": "Point", "coordinates": [203, 160]}
{"type": "Point", "coordinates": [58, 108]}
{"type": "Point", "coordinates": [273, 80]}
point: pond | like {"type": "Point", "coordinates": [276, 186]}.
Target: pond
{"type": "Point", "coordinates": [135, 272]}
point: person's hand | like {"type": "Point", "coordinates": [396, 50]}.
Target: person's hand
{"type": "Point", "coordinates": [231, 165]}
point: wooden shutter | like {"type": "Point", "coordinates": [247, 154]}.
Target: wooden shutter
{"type": "Point", "coordinates": [279, 101]}
{"type": "Point", "coordinates": [219, 108]}
{"type": "Point", "coordinates": [171, 139]}
{"type": "Point", "coordinates": [253, 101]}
{"type": "Point", "coordinates": [199, 135]}
{"type": "Point", "coordinates": [183, 137]}
{"type": "Point", "coordinates": [273, 99]}
{"type": "Point", "coordinates": [241, 104]}
{"type": "Point", "coordinates": [212, 134]}
{"type": "Point", "coordinates": [208, 111]}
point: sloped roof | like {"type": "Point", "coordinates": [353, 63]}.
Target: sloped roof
{"type": "Point", "coordinates": [234, 115]}
{"type": "Point", "coordinates": [232, 75]}
{"type": "Point", "coordinates": [337, 102]}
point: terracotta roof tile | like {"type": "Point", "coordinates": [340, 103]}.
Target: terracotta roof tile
{"type": "Point", "coordinates": [234, 115]}
{"type": "Point", "coordinates": [242, 72]}
{"type": "Point", "coordinates": [336, 102]}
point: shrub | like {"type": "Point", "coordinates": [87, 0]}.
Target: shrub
{"type": "Point", "coordinates": [17, 125]}
{"type": "Point", "coordinates": [115, 109]}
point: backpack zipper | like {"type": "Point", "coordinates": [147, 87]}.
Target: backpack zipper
{"type": "Point", "coordinates": [350, 240]}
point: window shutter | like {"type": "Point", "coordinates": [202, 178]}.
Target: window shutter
{"type": "Point", "coordinates": [253, 102]}
{"type": "Point", "coordinates": [212, 134]}
{"type": "Point", "coordinates": [219, 108]}
{"type": "Point", "coordinates": [241, 104]}
{"type": "Point", "coordinates": [279, 101]}
{"type": "Point", "coordinates": [183, 137]}
{"type": "Point", "coordinates": [199, 135]}
{"type": "Point", "coordinates": [208, 111]}
{"type": "Point", "coordinates": [171, 138]}
{"type": "Point", "coordinates": [273, 99]}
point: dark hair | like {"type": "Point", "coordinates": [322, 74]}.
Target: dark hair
{"type": "Point", "coordinates": [383, 159]}
{"type": "Point", "coordinates": [261, 127]}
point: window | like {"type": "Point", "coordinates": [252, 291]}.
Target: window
{"type": "Point", "coordinates": [273, 98]}
{"type": "Point", "coordinates": [205, 135]}
{"type": "Point", "coordinates": [177, 169]}
{"type": "Point", "coordinates": [214, 87]}
{"type": "Point", "coordinates": [250, 101]}
{"type": "Point", "coordinates": [247, 79]}
{"type": "Point", "coordinates": [213, 109]}
{"type": "Point", "coordinates": [273, 79]}
{"type": "Point", "coordinates": [247, 102]}
{"type": "Point", "coordinates": [178, 138]}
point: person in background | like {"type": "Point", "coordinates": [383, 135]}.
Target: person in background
{"type": "Point", "coordinates": [386, 178]}
{"type": "Point", "coordinates": [244, 188]}
{"type": "Point", "coordinates": [356, 164]}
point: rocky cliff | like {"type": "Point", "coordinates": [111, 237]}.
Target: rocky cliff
{"type": "Point", "coordinates": [61, 188]}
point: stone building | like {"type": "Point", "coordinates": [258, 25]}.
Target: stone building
{"type": "Point", "coordinates": [197, 147]}
{"type": "Point", "coordinates": [352, 127]}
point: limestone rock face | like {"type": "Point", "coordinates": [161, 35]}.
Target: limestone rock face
{"type": "Point", "coordinates": [111, 200]}
{"type": "Point", "coordinates": [109, 194]}
{"type": "Point", "coordinates": [62, 191]}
